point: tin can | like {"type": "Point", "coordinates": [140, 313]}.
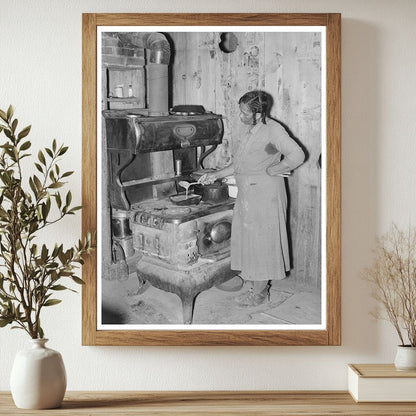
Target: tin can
{"type": "Point", "coordinates": [178, 167]}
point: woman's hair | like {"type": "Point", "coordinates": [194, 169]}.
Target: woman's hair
{"type": "Point", "coordinates": [258, 102]}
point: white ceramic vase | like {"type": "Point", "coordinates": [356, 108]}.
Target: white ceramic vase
{"type": "Point", "coordinates": [405, 358]}
{"type": "Point", "coordinates": [38, 377]}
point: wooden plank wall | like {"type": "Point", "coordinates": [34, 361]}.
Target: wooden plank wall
{"type": "Point", "coordinates": [288, 66]}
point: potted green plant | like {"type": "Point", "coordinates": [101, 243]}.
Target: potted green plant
{"type": "Point", "coordinates": [31, 273]}
{"type": "Point", "coordinates": [393, 277]}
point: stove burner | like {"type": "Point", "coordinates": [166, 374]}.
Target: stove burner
{"type": "Point", "coordinates": [174, 211]}
{"type": "Point", "coordinates": [152, 204]}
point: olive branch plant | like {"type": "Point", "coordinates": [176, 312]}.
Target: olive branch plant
{"type": "Point", "coordinates": [393, 278]}
{"type": "Point", "coordinates": [30, 274]}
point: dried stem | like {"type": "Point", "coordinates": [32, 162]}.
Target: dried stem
{"type": "Point", "coordinates": [393, 276]}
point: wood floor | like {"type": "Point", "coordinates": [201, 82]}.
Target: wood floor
{"type": "Point", "coordinates": [289, 304]}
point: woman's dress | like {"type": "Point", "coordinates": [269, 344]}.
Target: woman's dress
{"type": "Point", "coordinates": [259, 239]}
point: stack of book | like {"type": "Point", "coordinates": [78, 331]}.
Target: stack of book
{"type": "Point", "coordinates": [381, 383]}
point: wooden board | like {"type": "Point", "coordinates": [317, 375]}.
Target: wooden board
{"type": "Point", "coordinates": [246, 76]}
{"type": "Point", "coordinates": [221, 403]}
{"type": "Point", "coordinates": [380, 371]}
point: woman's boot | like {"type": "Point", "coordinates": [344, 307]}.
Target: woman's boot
{"type": "Point", "coordinates": [258, 294]}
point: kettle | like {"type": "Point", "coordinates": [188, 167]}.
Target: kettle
{"type": "Point", "coordinates": [215, 192]}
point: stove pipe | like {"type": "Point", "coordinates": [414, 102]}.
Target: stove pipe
{"type": "Point", "coordinates": [157, 68]}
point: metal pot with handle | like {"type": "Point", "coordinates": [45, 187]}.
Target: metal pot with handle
{"type": "Point", "coordinates": [214, 192]}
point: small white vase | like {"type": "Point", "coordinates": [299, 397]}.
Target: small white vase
{"type": "Point", "coordinates": [38, 377]}
{"type": "Point", "coordinates": [405, 358]}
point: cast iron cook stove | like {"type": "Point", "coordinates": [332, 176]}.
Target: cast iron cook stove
{"type": "Point", "coordinates": [185, 249]}
{"type": "Point", "coordinates": [180, 249]}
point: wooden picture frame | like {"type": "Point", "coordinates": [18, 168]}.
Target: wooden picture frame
{"type": "Point", "coordinates": [331, 334]}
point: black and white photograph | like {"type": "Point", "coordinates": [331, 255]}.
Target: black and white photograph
{"type": "Point", "coordinates": [211, 168]}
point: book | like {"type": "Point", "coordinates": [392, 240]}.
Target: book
{"type": "Point", "coordinates": [381, 383]}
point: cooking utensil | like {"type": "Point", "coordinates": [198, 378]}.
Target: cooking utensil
{"type": "Point", "coordinates": [215, 192]}
{"type": "Point", "coordinates": [220, 232]}
{"type": "Point", "coordinates": [187, 110]}
{"type": "Point", "coordinates": [186, 184]}
{"type": "Point", "coordinates": [182, 199]}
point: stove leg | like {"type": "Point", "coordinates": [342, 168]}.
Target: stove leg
{"type": "Point", "coordinates": [187, 308]}
{"type": "Point", "coordinates": [143, 285]}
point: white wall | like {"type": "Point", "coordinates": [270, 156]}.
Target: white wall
{"type": "Point", "coordinates": [40, 73]}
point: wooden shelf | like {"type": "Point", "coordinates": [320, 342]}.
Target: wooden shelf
{"type": "Point", "coordinates": [123, 99]}
{"type": "Point", "coordinates": [178, 403]}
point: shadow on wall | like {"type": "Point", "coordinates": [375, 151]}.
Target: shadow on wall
{"type": "Point", "coordinates": [361, 57]}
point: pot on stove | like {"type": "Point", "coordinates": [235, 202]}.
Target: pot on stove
{"type": "Point", "coordinates": [214, 192]}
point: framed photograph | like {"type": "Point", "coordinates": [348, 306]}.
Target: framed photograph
{"type": "Point", "coordinates": [211, 172]}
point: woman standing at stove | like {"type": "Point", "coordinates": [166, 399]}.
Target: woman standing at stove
{"type": "Point", "coordinates": [263, 155]}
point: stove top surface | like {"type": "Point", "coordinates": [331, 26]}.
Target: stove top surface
{"type": "Point", "coordinates": [169, 212]}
